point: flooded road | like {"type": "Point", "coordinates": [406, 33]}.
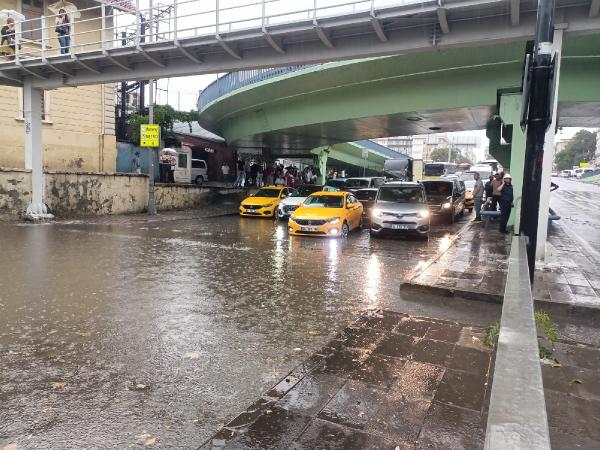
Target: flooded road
{"type": "Point", "coordinates": [125, 335]}
{"type": "Point", "coordinates": [578, 204]}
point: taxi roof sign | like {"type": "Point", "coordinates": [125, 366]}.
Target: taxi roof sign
{"type": "Point", "coordinates": [149, 135]}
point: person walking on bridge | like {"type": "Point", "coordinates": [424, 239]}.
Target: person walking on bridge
{"type": "Point", "coordinates": [63, 31]}
{"type": "Point", "coordinates": [505, 199]}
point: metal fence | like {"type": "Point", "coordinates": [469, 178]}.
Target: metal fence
{"type": "Point", "coordinates": [107, 26]}
{"type": "Point", "coordinates": [236, 80]}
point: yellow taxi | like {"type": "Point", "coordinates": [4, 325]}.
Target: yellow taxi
{"type": "Point", "coordinates": [263, 202]}
{"type": "Point", "coordinates": [326, 214]}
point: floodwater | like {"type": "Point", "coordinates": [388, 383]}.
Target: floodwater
{"type": "Point", "coordinates": [578, 204]}
{"type": "Point", "coordinates": [129, 334]}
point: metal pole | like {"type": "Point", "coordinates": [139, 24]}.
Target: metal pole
{"type": "Point", "coordinates": [537, 123]}
{"type": "Point", "coordinates": [151, 200]}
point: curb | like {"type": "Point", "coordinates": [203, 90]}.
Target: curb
{"type": "Point", "coordinates": [419, 270]}
{"type": "Point", "coordinates": [412, 287]}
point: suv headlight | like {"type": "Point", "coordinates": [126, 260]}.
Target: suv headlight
{"type": "Point", "coordinates": [423, 214]}
{"type": "Point", "coordinates": [446, 205]}
{"type": "Point", "coordinates": [334, 220]}
{"type": "Point", "coordinates": [377, 213]}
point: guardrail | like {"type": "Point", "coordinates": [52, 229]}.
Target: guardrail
{"type": "Point", "coordinates": [517, 416]}
{"type": "Point", "coordinates": [105, 26]}
{"type": "Point", "coordinates": [236, 80]}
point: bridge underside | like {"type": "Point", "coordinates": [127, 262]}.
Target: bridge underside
{"type": "Point", "coordinates": [450, 90]}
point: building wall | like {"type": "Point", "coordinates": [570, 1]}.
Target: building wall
{"type": "Point", "coordinates": [79, 127]}
{"type": "Point", "coordinates": [69, 194]}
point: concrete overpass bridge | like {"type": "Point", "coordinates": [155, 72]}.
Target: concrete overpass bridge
{"type": "Point", "coordinates": [452, 89]}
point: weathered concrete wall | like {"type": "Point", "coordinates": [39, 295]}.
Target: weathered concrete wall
{"type": "Point", "coordinates": [89, 193]}
{"type": "Point", "coordinates": [15, 192]}
{"type": "Point", "coordinates": [71, 194]}
{"type": "Point", "coordinates": [181, 196]}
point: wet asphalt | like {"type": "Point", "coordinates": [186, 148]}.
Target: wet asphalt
{"type": "Point", "coordinates": [578, 204]}
{"type": "Point", "coordinates": [129, 334]}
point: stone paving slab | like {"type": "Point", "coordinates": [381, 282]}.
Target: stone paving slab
{"type": "Point", "coordinates": [572, 391]}
{"type": "Point", "coordinates": [388, 381]}
{"type": "Point", "coordinates": [473, 267]}
{"type": "Point", "coordinates": [570, 278]}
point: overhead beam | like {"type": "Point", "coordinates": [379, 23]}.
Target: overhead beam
{"type": "Point", "coordinates": [594, 8]}
{"type": "Point", "coordinates": [85, 65]}
{"type": "Point", "coordinates": [515, 12]}
{"type": "Point", "coordinates": [31, 72]}
{"type": "Point", "coordinates": [322, 35]}
{"type": "Point", "coordinates": [277, 46]}
{"type": "Point", "coordinates": [228, 47]}
{"type": "Point", "coordinates": [56, 69]}
{"type": "Point", "coordinates": [8, 77]}
{"type": "Point", "coordinates": [116, 62]}
{"type": "Point", "coordinates": [378, 28]}
{"type": "Point", "coordinates": [188, 54]}
{"type": "Point", "coordinates": [150, 58]}
{"type": "Point", "coordinates": [443, 19]}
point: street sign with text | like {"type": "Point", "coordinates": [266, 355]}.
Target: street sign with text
{"type": "Point", "coordinates": [149, 135]}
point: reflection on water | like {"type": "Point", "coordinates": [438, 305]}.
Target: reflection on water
{"type": "Point", "coordinates": [104, 308]}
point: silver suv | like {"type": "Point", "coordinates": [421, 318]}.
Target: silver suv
{"type": "Point", "coordinates": [400, 207]}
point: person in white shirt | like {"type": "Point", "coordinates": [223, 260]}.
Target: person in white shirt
{"type": "Point", "coordinates": [225, 171]}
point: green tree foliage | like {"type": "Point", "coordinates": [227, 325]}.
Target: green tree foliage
{"type": "Point", "coordinates": [580, 149]}
{"type": "Point", "coordinates": [165, 116]}
{"type": "Point", "coordinates": [441, 155]}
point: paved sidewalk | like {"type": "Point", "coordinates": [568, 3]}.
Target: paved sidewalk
{"type": "Point", "coordinates": [474, 266]}
{"type": "Point", "coordinates": [388, 381]}
{"type": "Point", "coordinates": [570, 277]}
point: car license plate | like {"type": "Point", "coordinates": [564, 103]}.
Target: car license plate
{"type": "Point", "coordinates": [396, 226]}
{"type": "Point", "coordinates": [308, 229]}
{"type": "Point", "coordinates": [250, 210]}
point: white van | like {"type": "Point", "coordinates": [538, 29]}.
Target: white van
{"type": "Point", "coordinates": [183, 167]}
{"type": "Point", "coordinates": [199, 171]}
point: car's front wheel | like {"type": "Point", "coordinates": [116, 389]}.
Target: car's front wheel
{"type": "Point", "coordinates": [199, 180]}
{"type": "Point", "coordinates": [345, 230]}
{"type": "Point", "coordinates": [279, 214]}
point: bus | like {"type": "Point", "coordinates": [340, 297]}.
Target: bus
{"type": "Point", "coordinates": [432, 171]}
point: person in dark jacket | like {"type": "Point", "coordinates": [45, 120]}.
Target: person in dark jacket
{"type": "Point", "coordinates": [63, 31]}
{"type": "Point", "coordinates": [8, 34]}
{"type": "Point", "coordinates": [505, 199]}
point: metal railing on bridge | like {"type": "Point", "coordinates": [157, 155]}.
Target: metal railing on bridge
{"type": "Point", "coordinates": [236, 80]}
{"type": "Point", "coordinates": [125, 24]}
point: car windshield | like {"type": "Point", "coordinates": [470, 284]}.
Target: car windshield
{"type": "Point", "coordinates": [467, 176]}
{"type": "Point", "coordinates": [401, 194]}
{"type": "Point", "coordinates": [434, 170]}
{"type": "Point", "coordinates": [438, 188]}
{"type": "Point", "coordinates": [271, 193]}
{"type": "Point", "coordinates": [324, 201]}
{"type": "Point", "coordinates": [356, 182]}
{"type": "Point", "coordinates": [366, 195]}
{"type": "Point", "coordinates": [305, 191]}
{"type": "Point", "coordinates": [338, 183]}
{"type": "Point", "coordinates": [470, 184]}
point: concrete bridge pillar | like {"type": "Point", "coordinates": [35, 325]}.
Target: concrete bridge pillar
{"type": "Point", "coordinates": [34, 156]}
{"type": "Point", "coordinates": [321, 162]}
{"type": "Point", "coordinates": [510, 113]}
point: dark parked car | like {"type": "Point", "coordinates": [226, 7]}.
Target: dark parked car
{"type": "Point", "coordinates": [445, 198]}
{"type": "Point", "coordinates": [339, 183]}
{"type": "Point", "coordinates": [354, 184]}
{"type": "Point", "coordinates": [367, 198]}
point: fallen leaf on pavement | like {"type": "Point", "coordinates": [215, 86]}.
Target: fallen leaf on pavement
{"type": "Point", "coordinates": [557, 365]}
{"type": "Point", "coordinates": [313, 333]}
{"type": "Point", "coordinates": [140, 386]}
{"type": "Point", "coordinates": [59, 384]}
{"type": "Point", "coordinates": [150, 441]}
{"type": "Point", "coordinates": [192, 355]}
{"type": "Point", "coordinates": [576, 381]}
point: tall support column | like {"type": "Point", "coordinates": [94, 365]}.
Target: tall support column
{"type": "Point", "coordinates": [321, 162]}
{"type": "Point", "coordinates": [510, 113]}
{"type": "Point", "coordinates": [34, 152]}
{"type": "Point", "coordinates": [542, 232]}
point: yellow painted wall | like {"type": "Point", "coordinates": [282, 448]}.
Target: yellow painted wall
{"type": "Point", "coordinates": [79, 133]}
